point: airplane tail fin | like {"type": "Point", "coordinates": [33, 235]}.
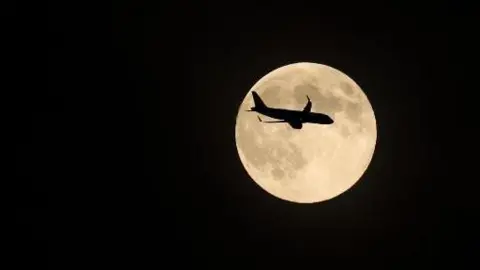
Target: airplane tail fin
{"type": "Point", "coordinates": [258, 101]}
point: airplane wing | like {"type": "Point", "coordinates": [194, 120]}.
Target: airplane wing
{"type": "Point", "coordinates": [295, 125]}
{"type": "Point", "coordinates": [275, 121]}
{"type": "Point", "coordinates": [308, 106]}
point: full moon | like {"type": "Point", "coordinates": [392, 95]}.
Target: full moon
{"type": "Point", "coordinates": [317, 162]}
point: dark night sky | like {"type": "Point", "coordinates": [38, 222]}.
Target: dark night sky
{"type": "Point", "coordinates": [128, 156]}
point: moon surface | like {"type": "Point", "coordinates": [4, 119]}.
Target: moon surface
{"type": "Point", "coordinates": [315, 163]}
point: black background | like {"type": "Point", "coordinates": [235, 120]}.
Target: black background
{"type": "Point", "coordinates": [128, 157]}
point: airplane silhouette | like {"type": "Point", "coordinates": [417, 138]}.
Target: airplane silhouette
{"type": "Point", "coordinates": [295, 119]}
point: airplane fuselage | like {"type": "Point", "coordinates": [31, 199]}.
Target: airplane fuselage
{"type": "Point", "coordinates": [296, 118]}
